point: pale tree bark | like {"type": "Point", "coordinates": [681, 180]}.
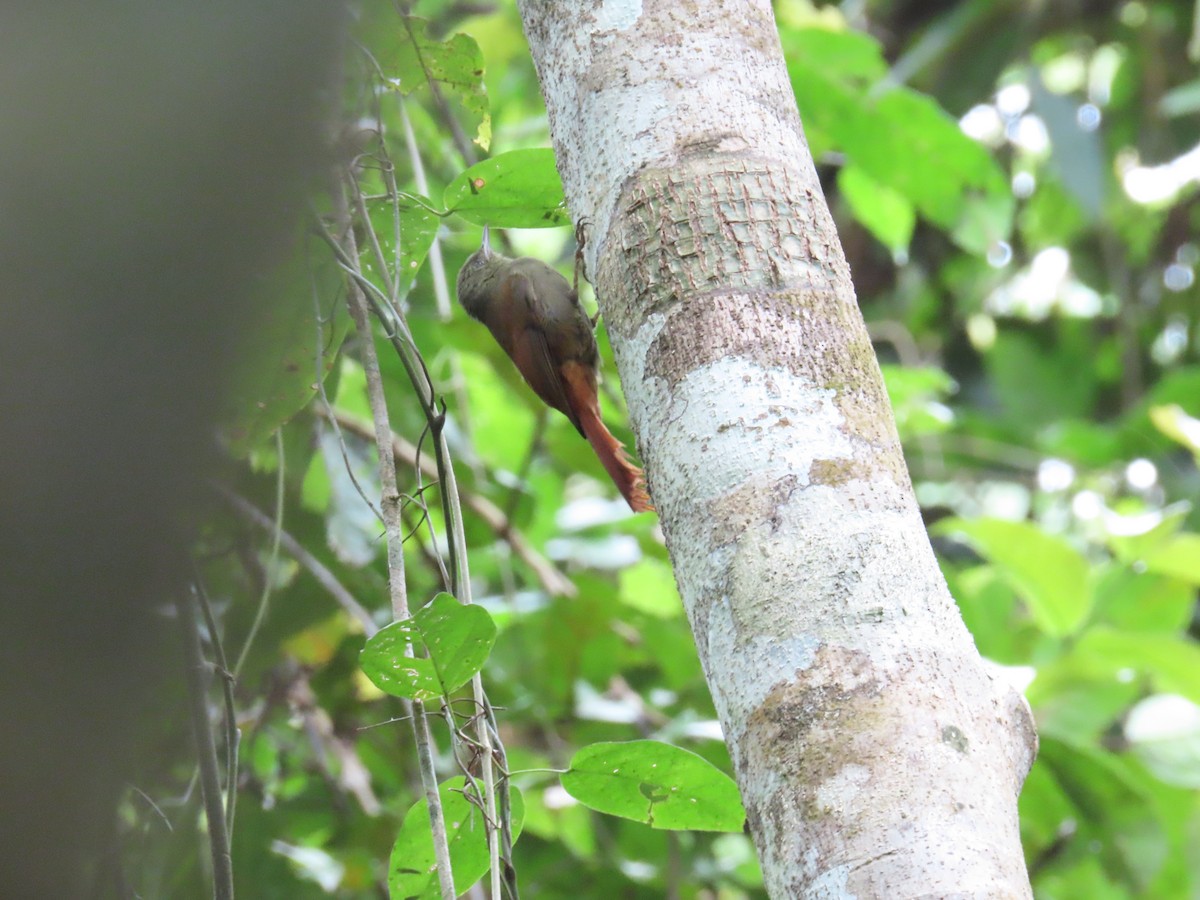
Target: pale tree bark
{"type": "Point", "coordinates": [875, 754]}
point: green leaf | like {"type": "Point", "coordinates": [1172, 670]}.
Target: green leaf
{"type": "Point", "coordinates": [1179, 557]}
{"type": "Point", "coordinates": [893, 136]}
{"type": "Point", "coordinates": [885, 213]}
{"type": "Point", "coordinates": [916, 394]}
{"type": "Point", "coordinates": [649, 586]}
{"type": "Point", "coordinates": [1171, 663]}
{"type": "Point", "coordinates": [1142, 601]}
{"type": "Point", "coordinates": [412, 869]}
{"type": "Point", "coordinates": [456, 639]}
{"type": "Point", "coordinates": [916, 131]}
{"type": "Point", "coordinates": [1113, 810]}
{"type": "Point", "coordinates": [405, 231]}
{"type": "Point", "coordinates": [1022, 366]}
{"type": "Point", "coordinates": [1176, 424]}
{"type": "Point", "coordinates": [1164, 732]}
{"type": "Point", "coordinates": [518, 189]}
{"type": "Point", "coordinates": [852, 57]}
{"type": "Point", "coordinates": [1134, 544]}
{"type": "Point", "coordinates": [413, 59]}
{"type": "Point", "coordinates": [663, 786]}
{"type": "Point", "coordinates": [1077, 154]}
{"type": "Point", "coordinates": [1049, 574]}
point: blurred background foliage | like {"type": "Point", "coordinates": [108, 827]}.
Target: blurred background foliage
{"type": "Point", "coordinates": [1015, 184]}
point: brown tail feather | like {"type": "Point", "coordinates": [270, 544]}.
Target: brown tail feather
{"type": "Point", "coordinates": [628, 478]}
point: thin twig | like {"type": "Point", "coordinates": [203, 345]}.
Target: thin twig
{"type": "Point", "coordinates": [296, 550]}
{"type": "Point", "coordinates": [392, 521]}
{"type": "Point", "coordinates": [402, 340]}
{"type": "Point", "coordinates": [272, 564]}
{"type": "Point", "coordinates": [232, 735]}
{"type": "Point", "coordinates": [552, 580]}
{"type": "Point", "coordinates": [319, 374]}
{"type": "Point", "coordinates": [206, 750]}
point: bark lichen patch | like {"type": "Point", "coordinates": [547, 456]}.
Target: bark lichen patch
{"type": "Point", "coordinates": [953, 735]}
{"type": "Point", "coordinates": [838, 683]}
{"type": "Point", "coordinates": [809, 732]}
{"type": "Point", "coordinates": [837, 472]}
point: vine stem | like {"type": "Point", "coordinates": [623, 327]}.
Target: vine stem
{"type": "Point", "coordinates": [452, 509]}
{"type": "Point", "coordinates": [206, 748]}
{"type": "Point", "coordinates": [394, 536]}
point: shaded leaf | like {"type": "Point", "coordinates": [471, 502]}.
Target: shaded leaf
{"type": "Point", "coordinates": [1164, 732]}
{"type": "Point", "coordinates": [1170, 662]}
{"type": "Point", "coordinates": [303, 320]}
{"type": "Point", "coordinates": [1111, 809]}
{"type": "Point", "coordinates": [412, 869]}
{"type": "Point", "coordinates": [414, 59]}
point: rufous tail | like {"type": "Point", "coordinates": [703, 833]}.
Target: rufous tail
{"type": "Point", "coordinates": [628, 478]}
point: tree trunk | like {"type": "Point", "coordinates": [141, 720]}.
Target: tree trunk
{"type": "Point", "coordinates": [875, 754]}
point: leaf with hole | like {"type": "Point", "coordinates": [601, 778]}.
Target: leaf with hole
{"type": "Point", "coordinates": [518, 189]}
{"type": "Point", "coordinates": [664, 786]}
{"type": "Point", "coordinates": [410, 58]}
{"type": "Point", "coordinates": [452, 642]}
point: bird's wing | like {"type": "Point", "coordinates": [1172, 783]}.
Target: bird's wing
{"type": "Point", "coordinates": [531, 349]}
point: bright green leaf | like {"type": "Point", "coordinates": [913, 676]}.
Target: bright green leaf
{"type": "Point", "coordinates": [518, 189]}
{"type": "Point", "coordinates": [899, 138]}
{"type": "Point", "coordinates": [1132, 541]}
{"type": "Point", "coordinates": [412, 869]}
{"type": "Point", "coordinates": [852, 57]}
{"type": "Point", "coordinates": [649, 586]}
{"type": "Point", "coordinates": [663, 786]}
{"type": "Point", "coordinates": [1143, 601]}
{"type": "Point", "coordinates": [1179, 558]}
{"type": "Point", "coordinates": [1050, 575]}
{"type": "Point", "coordinates": [456, 639]}
{"type": "Point", "coordinates": [885, 213]}
{"type": "Point", "coordinates": [916, 394]}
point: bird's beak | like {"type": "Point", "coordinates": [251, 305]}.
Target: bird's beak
{"type": "Point", "coordinates": [487, 243]}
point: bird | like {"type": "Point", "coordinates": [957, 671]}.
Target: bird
{"type": "Point", "coordinates": [534, 314]}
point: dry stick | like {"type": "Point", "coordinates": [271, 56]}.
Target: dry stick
{"type": "Point", "coordinates": [295, 549]}
{"type": "Point", "coordinates": [389, 314]}
{"type": "Point", "coordinates": [206, 750]}
{"type": "Point", "coordinates": [552, 580]}
{"type": "Point", "coordinates": [394, 531]}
